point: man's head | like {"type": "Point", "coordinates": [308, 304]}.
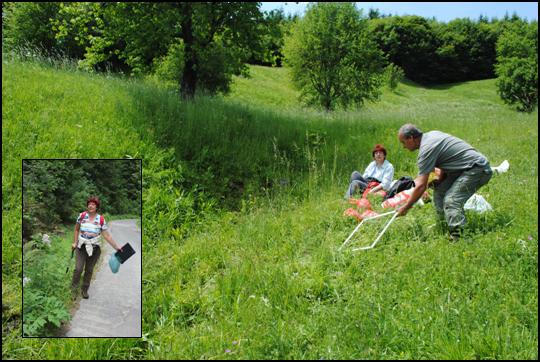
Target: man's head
{"type": "Point", "coordinates": [410, 136]}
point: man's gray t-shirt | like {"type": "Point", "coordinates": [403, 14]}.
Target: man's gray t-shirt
{"type": "Point", "coordinates": [449, 153]}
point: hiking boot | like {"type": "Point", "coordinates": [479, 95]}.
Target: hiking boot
{"type": "Point", "coordinates": [455, 234]}
{"type": "Point", "coordinates": [84, 294]}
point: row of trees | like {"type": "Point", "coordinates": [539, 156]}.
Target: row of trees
{"type": "Point", "coordinates": [213, 41]}
{"type": "Point", "coordinates": [55, 191]}
{"type": "Point", "coordinates": [423, 50]}
{"type": "Point", "coordinates": [432, 52]}
{"type": "Point", "coordinates": [338, 56]}
{"type": "Point", "coordinates": [201, 45]}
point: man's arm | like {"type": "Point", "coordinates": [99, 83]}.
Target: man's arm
{"type": "Point", "coordinates": [419, 188]}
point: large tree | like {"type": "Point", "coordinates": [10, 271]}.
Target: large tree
{"type": "Point", "coordinates": [216, 38]}
{"type": "Point", "coordinates": [332, 58]}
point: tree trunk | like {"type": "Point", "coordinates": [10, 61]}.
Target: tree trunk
{"type": "Point", "coordinates": [189, 76]}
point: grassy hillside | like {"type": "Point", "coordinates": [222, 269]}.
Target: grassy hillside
{"type": "Point", "coordinates": [266, 86]}
{"type": "Point", "coordinates": [242, 199]}
{"type": "Point", "coordinates": [272, 88]}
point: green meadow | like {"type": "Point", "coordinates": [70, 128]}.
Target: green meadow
{"type": "Point", "coordinates": [243, 218]}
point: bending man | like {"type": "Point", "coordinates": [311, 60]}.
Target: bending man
{"type": "Point", "coordinates": [463, 171]}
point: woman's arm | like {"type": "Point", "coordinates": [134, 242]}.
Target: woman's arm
{"type": "Point", "coordinates": [110, 240]}
{"type": "Point", "coordinates": [76, 238]}
{"type": "Point", "coordinates": [375, 189]}
{"type": "Point", "coordinates": [387, 177]}
{"type": "Point", "coordinates": [369, 170]}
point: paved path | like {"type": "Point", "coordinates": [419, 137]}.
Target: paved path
{"type": "Point", "coordinates": [114, 306]}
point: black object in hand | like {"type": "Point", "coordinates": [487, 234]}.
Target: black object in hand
{"type": "Point", "coordinates": [72, 251]}
{"type": "Point", "coordinates": [125, 254]}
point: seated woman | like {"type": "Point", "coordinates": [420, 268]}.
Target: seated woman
{"type": "Point", "coordinates": [379, 170]}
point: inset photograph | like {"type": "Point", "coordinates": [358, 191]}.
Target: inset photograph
{"type": "Point", "coordinates": [81, 245]}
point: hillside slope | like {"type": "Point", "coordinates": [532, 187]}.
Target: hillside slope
{"type": "Point", "coordinates": [267, 280]}
{"type": "Point", "coordinates": [272, 87]}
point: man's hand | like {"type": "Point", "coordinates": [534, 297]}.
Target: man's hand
{"type": "Point", "coordinates": [402, 211]}
{"type": "Point", "coordinates": [74, 245]}
{"type": "Point", "coordinates": [419, 188]}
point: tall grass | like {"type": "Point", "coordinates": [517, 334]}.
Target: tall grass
{"type": "Point", "coordinates": [242, 200]}
{"type": "Point", "coordinates": [51, 111]}
{"type": "Point", "coordinates": [273, 281]}
{"type": "Point", "coordinates": [233, 150]}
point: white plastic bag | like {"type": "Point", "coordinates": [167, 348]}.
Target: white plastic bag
{"type": "Point", "coordinates": [478, 204]}
{"type": "Point", "coordinates": [502, 168]}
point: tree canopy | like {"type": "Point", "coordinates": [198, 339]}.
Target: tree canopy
{"type": "Point", "coordinates": [200, 46]}
{"type": "Point", "coordinates": [55, 191]}
{"type": "Point", "coordinates": [332, 58]}
{"type": "Point", "coordinates": [215, 39]}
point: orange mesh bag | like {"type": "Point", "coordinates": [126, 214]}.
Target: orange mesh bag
{"type": "Point", "coordinates": [352, 213]}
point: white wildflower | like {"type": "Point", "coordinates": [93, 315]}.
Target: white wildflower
{"type": "Point", "coordinates": [46, 240]}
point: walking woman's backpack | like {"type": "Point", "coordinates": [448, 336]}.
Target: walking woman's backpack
{"type": "Point", "coordinates": [101, 219]}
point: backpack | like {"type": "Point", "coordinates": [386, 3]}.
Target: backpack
{"type": "Point", "coordinates": [101, 219]}
{"type": "Point", "coordinates": [404, 183]}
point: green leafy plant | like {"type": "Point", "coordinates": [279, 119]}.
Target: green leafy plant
{"type": "Point", "coordinates": [41, 312]}
{"type": "Point", "coordinates": [394, 74]}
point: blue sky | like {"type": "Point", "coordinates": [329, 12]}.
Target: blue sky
{"type": "Point", "coordinates": [444, 12]}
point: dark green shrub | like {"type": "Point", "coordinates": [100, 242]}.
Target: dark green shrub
{"type": "Point", "coordinates": [394, 75]}
{"type": "Point", "coordinates": [517, 68]}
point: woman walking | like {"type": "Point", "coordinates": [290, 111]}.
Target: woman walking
{"type": "Point", "coordinates": [87, 239]}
